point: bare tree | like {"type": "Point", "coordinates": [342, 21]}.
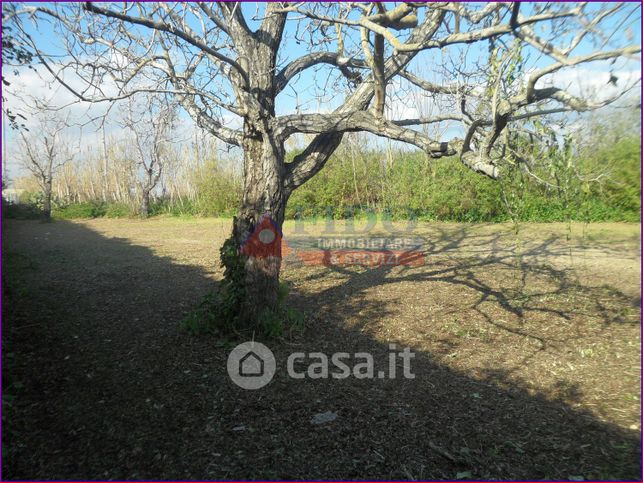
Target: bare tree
{"type": "Point", "coordinates": [44, 151]}
{"type": "Point", "coordinates": [150, 122]}
{"type": "Point", "coordinates": [222, 65]}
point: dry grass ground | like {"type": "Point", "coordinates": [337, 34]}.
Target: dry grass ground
{"type": "Point", "coordinates": [527, 358]}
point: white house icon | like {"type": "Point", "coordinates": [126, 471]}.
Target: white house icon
{"type": "Point", "coordinates": [251, 365]}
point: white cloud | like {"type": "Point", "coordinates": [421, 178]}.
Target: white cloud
{"type": "Point", "coordinates": [38, 83]}
{"type": "Point", "coordinates": [590, 83]}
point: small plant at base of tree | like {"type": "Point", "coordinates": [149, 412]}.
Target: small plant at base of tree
{"type": "Point", "coordinates": [220, 312]}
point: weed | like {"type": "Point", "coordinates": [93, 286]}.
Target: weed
{"type": "Point", "coordinates": [219, 312]}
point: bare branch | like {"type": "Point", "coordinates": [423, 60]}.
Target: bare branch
{"type": "Point", "coordinates": [315, 58]}
{"type": "Point", "coordinates": [358, 121]}
{"type": "Point", "coordinates": [172, 29]}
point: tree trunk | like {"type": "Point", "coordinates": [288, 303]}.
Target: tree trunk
{"type": "Point", "coordinates": [46, 205]}
{"type": "Point", "coordinates": [264, 198]}
{"type": "Point", "coordinates": [263, 195]}
{"type": "Point", "coordinates": [145, 203]}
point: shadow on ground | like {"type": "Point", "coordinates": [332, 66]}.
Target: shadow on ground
{"type": "Point", "coordinates": [99, 382]}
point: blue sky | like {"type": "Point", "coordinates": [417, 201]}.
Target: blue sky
{"type": "Point", "coordinates": [306, 89]}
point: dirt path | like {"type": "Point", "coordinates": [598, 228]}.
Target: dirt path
{"type": "Point", "coordinates": [527, 358]}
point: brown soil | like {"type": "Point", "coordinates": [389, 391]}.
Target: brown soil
{"type": "Point", "coordinates": [527, 358]}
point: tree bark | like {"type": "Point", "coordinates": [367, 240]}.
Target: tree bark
{"type": "Point", "coordinates": [145, 204]}
{"type": "Point", "coordinates": [46, 205]}
{"type": "Point", "coordinates": [263, 195]}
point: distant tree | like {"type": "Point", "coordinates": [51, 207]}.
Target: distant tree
{"type": "Point", "coordinates": [220, 64]}
{"type": "Point", "coordinates": [150, 125]}
{"type": "Point", "coordinates": [44, 151]}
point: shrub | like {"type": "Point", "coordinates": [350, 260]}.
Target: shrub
{"type": "Point", "coordinates": [445, 190]}
{"type": "Point", "coordinates": [20, 211]}
{"type": "Point", "coordinates": [91, 209]}
{"type": "Point", "coordinates": [219, 191]}
{"type": "Point", "coordinates": [117, 210]}
{"type": "Point", "coordinates": [218, 313]}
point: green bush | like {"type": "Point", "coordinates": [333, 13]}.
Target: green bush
{"type": "Point", "coordinates": [218, 191]}
{"type": "Point", "coordinates": [21, 211]}
{"type": "Point", "coordinates": [91, 209]}
{"type": "Point", "coordinates": [117, 210]}
{"type": "Point", "coordinates": [445, 190]}
{"type": "Point", "coordinates": [204, 318]}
